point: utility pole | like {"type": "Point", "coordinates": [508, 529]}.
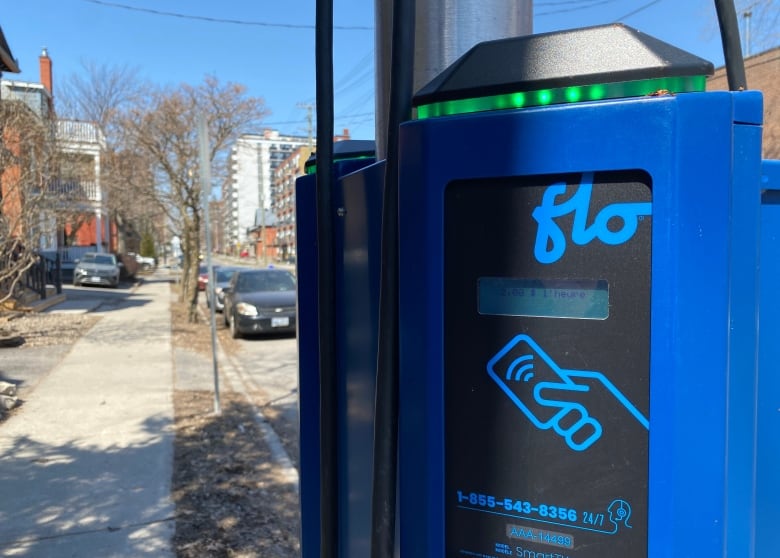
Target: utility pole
{"type": "Point", "coordinates": [747, 15]}
{"type": "Point", "coordinates": [262, 225]}
{"type": "Point", "coordinates": [261, 183]}
{"type": "Point", "coordinates": [309, 121]}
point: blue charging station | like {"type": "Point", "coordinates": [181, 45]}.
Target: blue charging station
{"type": "Point", "coordinates": [357, 197]}
{"type": "Point", "coordinates": [589, 245]}
{"type": "Point", "coordinates": [768, 388]}
{"type": "Point", "coordinates": [579, 305]}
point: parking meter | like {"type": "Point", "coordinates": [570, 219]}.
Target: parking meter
{"type": "Point", "coordinates": [579, 300]}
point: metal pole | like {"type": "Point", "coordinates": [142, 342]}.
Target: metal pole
{"type": "Point", "coordinates": [98, 230]}
{"type": "Point", "coordinates": [444, 30]}
{"type": "Point", "coordinates": [262, 226]}
{"type": "Point", "coordinates": [205, 185]}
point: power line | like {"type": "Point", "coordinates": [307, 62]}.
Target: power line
{"type": "Point", "coordinates": [555, 3]}
{"type": "Point", "coordinates": [365, 76]}
{"type": "Point", "coordinates": [222, 20]}
{"type": "Point", "coordinates": [338, 117]}
{"type": "Point", "coordinates": [576, 8]}
{"type": "Point", "coordinates": [361, 66]}
{"type": "Point", "coordinates": [629, 14]}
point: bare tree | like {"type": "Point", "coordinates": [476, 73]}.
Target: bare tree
{"type": "Point", "coordinates": [165, 127]}
{"type": "Point", "coordinates": [758, 24]}
{"type": "Point", "coordinates": [28, 161]}
{"type": "Point", "coordinates": [759, 20]}
{"type": "Point", "coordinates": [104, 94]}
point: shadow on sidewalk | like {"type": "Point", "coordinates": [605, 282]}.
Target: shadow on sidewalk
{"type": "Point", "coordinates": [72, 500]}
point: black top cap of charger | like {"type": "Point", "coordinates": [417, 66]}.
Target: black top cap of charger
{"type": "Point", "coordinates": [604, 54]}
{"type": "Point", "coordinates": [345, 150]}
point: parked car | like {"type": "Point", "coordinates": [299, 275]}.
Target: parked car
{"type": "Point", "coordinates": [97, 269]}
{"type": "Point", "coordinates": [203, 276]}
{"type": "Point", "coordinates": [145, 263]}
{"type": "Point", "coordinates": [128, 267]}
{"type": "Point", "coordinates": [260, 301]}
{"type": "Point", "coordinates": [222, 277]}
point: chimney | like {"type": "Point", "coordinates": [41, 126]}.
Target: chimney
{"type": "Point", "coordinates": [45, 65]}
{"type": "Point", "coordinates": [343, 137]}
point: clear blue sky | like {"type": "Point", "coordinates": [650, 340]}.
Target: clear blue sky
{"type": "Point", "coordinates": [276, 61]}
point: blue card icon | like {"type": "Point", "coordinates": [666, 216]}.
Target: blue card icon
{"type": "Point", "coordinates": [547, 394]}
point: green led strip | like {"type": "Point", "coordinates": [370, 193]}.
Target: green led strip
{"type": "Point", "coordinates": [575, 94]}
{"type": "Point", "coordinates": [312, 169]}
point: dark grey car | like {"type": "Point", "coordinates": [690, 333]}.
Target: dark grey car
{"type": "Point", "coordinates": [260, 301]}
{"type": "Point", "coordinates": [222, 277]}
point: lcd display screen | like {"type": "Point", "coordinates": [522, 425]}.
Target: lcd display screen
{"type": "Point", "coordinates": [545, 298]}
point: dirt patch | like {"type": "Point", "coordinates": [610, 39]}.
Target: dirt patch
{"type": "Point", "coordinates": [39, 330]}
{"type": "Point", "coordinates": [197, 336]}
{"type": "Point", "coordinates": [230, 499]}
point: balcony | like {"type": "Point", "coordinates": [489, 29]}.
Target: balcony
{"type": "Point", "coordinates": [75, 190]}
{"type": "Point", "coordinates": [82, 132]}
{"type": "Point", "coordinates": [79, 136]}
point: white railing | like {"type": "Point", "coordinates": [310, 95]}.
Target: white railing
{"type": "Point", "coordinates": [75, 190]}
{"type": "Point", "coordinates": [76, 131]}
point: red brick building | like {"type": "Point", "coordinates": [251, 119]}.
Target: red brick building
{"type": "Point", "coordinates": [78, 202]}
{"type": "Point", "coordinates": [285, 176]}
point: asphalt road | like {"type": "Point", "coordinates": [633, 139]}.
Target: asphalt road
{"type": "Point", "coordinates": [272, 364]}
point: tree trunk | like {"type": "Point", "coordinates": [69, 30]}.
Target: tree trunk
{"type": "Point", "coordinates": [193, 313]}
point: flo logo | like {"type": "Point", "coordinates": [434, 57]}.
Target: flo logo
{"type": "Point", "coordinates": [551, 240]}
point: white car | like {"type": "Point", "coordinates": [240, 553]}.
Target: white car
{"type": "Point", "coordinates": [96, 269]}
{"type": "Point", "coordinates": [146, 264]}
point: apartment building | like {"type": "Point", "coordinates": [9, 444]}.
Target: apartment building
{"type": "Point", "coordinates": [253, 160]}
{"type": "Point", "coordinates": [284, 200]}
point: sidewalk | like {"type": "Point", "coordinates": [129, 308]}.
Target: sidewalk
{"type": "Point", "coordinates": [85, 465]}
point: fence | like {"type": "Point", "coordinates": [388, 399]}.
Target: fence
{"type": "Point", "coordinates": [46, 270]}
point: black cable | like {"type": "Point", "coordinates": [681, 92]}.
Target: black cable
{"type": "Point", "coordinates": [326, 319]}
{"type": "Point", "coordinates": [732, 49]}
{"type": "Point", "coordinates": [385, 464]}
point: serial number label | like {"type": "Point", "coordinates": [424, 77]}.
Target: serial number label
{"type": "Point", "coordinates": [540, 536]}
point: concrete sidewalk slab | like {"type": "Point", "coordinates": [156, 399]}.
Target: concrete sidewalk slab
{"type": "Point", "coordinates": [85, 465]}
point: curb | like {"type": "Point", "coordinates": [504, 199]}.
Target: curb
{"type": "Point", "coordinates": [45, 303]}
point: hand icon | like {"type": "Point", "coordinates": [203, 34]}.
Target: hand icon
{"type": "Point", "coordinates": [572, 420]}
{"type": "Point", "coordinates": [549, 396]}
